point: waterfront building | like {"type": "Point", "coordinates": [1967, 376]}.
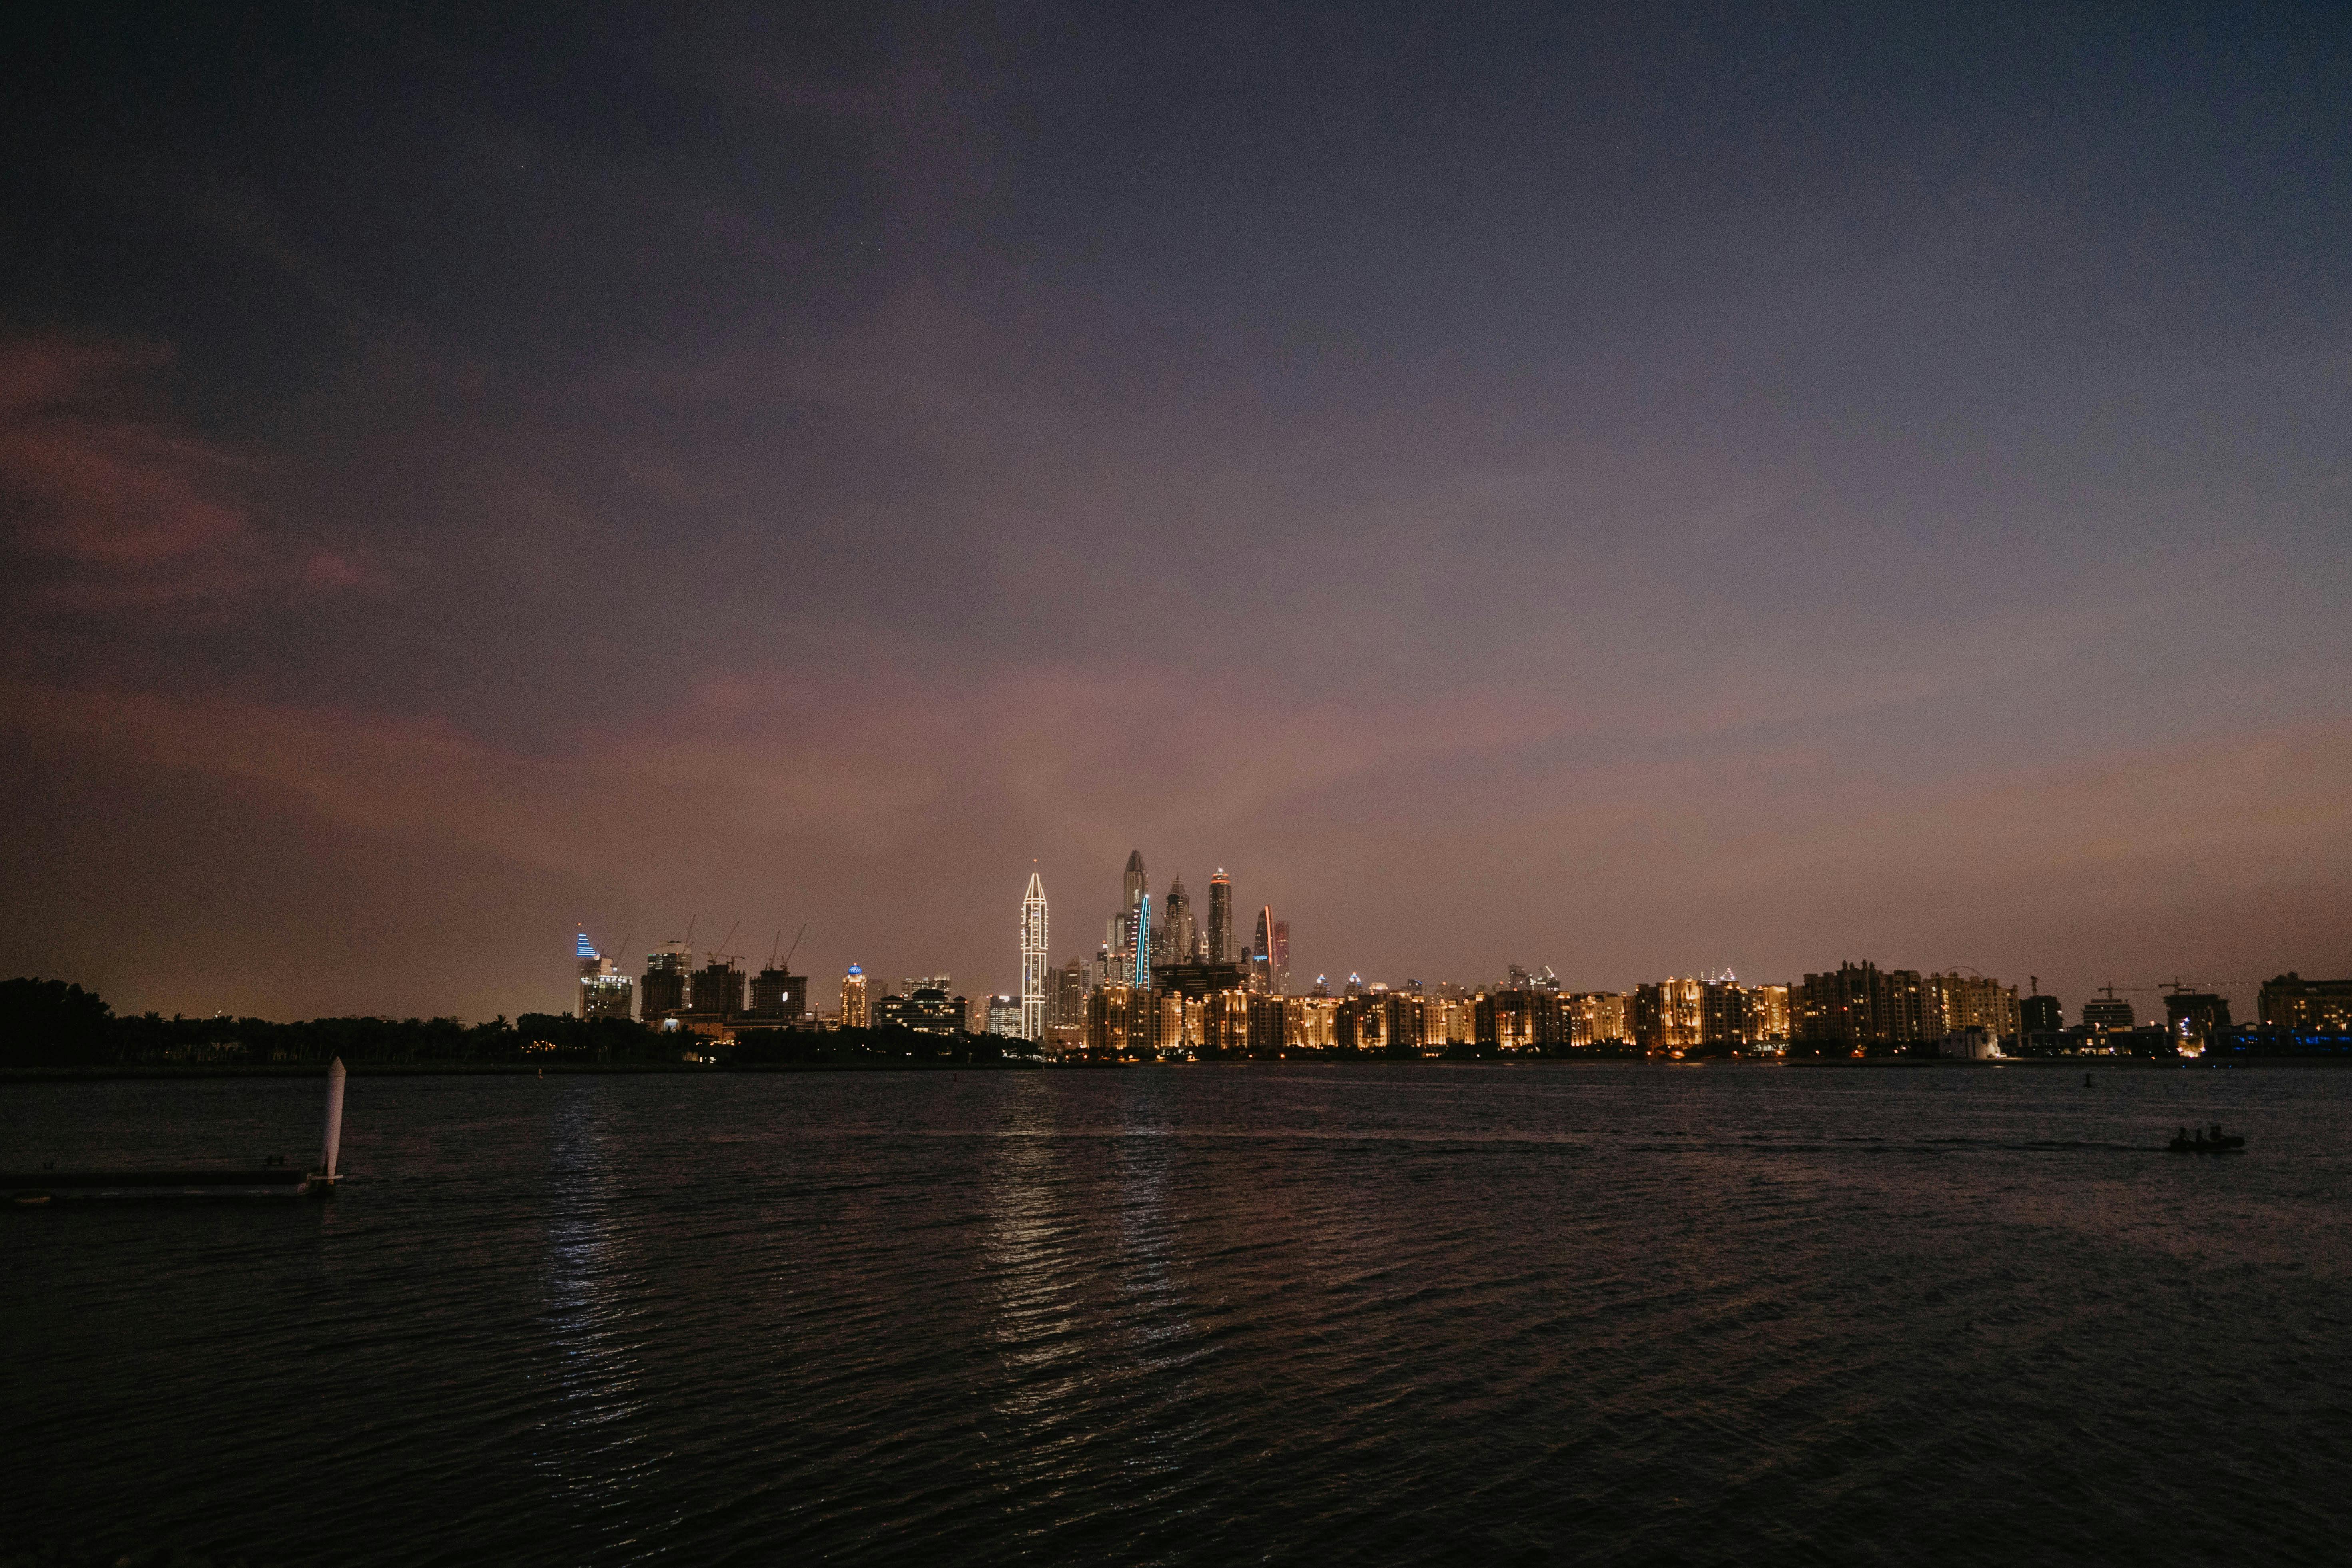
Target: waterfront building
{"type": "Point", "coordinates": [2040, 1015]}
{"type": "Point", "coordinates": [856, 1006]}
{"type": "Point", "coordinates": [1221, 918]}
{"type": "Point", "coordinates": [1268, 1024]}
{"type": "Point", "coordinates": [1389, 1022]}
{"type": "Point", "coordinates": [2306, 1006]}
{"type": "Point", "coordinates": [604, 991]}
{"type": "Point", "coordinates": [1599, 1018]}
{"type": "Point", "coordinates": [779, 996]}
{"type": "Point", "coordinates": [1065, 1003]}
{"type": "Point", "coordinates": [1225, 1022]}
{"type": "Point", "coordinates": [1119, 1021]}
{"type": "Point", "coordinates": [1768, 1015]}
{"type": "Point", "coordinates": [1311, 1022]}
{"type": "Point", "coordinates": [664, 990]}
{"type": "Point", "coordinates": [2193, 1019]}
{"type": "Point", "coordinates": [1955, 1002]}
{"type": "Point", "coordinates": [1178, 1024]}
{"type": "Point", "coordinates": [1009, 1016]}
{"type": "Point", "coordinates": [1034, 962]}
{"type": "Point", "coordinates": [1970, 1043]}
{"type": "Point", "coordinates": [717, 993]}
{"type": "Point", "coordinates": [1525, 1020]}
{"type": "Point", "coordinates": [2108, 1013]}
{"type": "Point", "coordinates": [1452, 1019]}
{"type": "Point", "coordinates": [1669, 1016]}
{"type": "Point", "coordinates": [1859, 1006]}
{"type": "Point", "coordinates": [926, 1010]}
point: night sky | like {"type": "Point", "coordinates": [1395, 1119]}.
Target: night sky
{"type": "Point", "coordinates": [1644, 489]}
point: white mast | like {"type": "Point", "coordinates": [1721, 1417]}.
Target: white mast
{"type": "Point", "coordinates": [334, 1120]}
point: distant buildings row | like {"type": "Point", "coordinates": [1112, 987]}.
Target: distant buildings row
{"type": "Point", "coordinates": [1165, 983]}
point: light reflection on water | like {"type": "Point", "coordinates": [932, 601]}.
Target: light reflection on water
{"type": "Point", "coordinates": [1202, 1315]}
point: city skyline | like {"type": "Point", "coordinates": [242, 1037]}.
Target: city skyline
{"type": "Point", "coordinates": [1686, 1002]}
{"type": "Point", "coordinates": [1621, 491]}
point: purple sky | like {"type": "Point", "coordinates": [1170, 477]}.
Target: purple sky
{"type": "Point", "coordinates": [1641, 493]}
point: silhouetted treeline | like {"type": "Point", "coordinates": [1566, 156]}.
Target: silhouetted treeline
{"type": "Point", "coordinates": [51, 1024]}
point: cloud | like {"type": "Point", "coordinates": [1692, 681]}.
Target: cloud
{"type": "Point", "coordinates": [115, 501]}
{"type": "Point", "coordinates": [860, 763]}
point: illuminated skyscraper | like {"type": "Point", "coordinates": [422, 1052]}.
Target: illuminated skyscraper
{"type": "Point", "coordinates": [1278, 957]}
{"type": "Point", "coordinates": [856, 1006]}
{"type": "Point", "coordinates": [1143, 943]}
{"type": "Point", "coordinates": [604, 991]}
{"type": "Point", "coordinates": [1221, 918]}
{"type": "Point", "coordinates": [1135, 884]}
{"type": "Point", "coordinates": [1261, 955]}
{"type": "Point", "coordinates": [1129, 942]}
{"type": "Point", "coordinates": [1032, 961]}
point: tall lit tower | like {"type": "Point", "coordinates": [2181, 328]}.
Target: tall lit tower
{"type": "Point", "coordinates": [1221, 918]}
{"type": "Point", "coordinates": [1032, 961]}
{"type": "Point", "coordinates": [856, 1012]}
{"type": "Point", "coordinates": [1261, 956]}
{"type": "Point", "coordinates": [1143, 943]}
{"type": "Point", "coordinates": [1132, 942]}
{"type": "Point", "coordinates": [1136, 883]}
{"type": "Point", "coordinates": [604, 991]}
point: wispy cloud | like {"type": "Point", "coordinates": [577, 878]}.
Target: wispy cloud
{"type": "Point", "coordinates": [117, 502]}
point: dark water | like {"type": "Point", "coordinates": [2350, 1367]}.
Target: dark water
{"type": "Point", "coordinates": [1479, 1315]}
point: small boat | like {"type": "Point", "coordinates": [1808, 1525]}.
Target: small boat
{"type": "Point", "coordinates": [2201, 1144]}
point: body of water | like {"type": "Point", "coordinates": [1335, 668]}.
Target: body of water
{"type": "Point", "coordinates": [1443, 1314]}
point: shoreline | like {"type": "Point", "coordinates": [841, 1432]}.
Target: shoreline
{"type": "Point", "coordinates": [170, 1071]}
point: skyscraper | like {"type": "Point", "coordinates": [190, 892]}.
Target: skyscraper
{"type": "Point", "coordinates": [1261, 956]}
{"type": "Point", "coordinates": [1032, 961]}
{"type": "Point", "coordinates": [1278, 957]}
{"type": "Point", "coordinates": [1128, 938]}
{"type": "Point", "coordinates": [663, 992]}
{"type": "Point", "coordinates": [1134, 885]}
{"type": "Point", "coordinates": [855, 1012]}
{"type": "Point", "coordinates": [1179, 932]}
{"type": "Point", "coordinates": [1143, 942]}
{"type": "Point", "coordinates": [718, 989]}
{"type": "Point", "coordinates": [604, 991]}
{"type": "Point", "coordinates": [778, 995]}
{"type": "Point", "coordinates": [1221, 918]}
